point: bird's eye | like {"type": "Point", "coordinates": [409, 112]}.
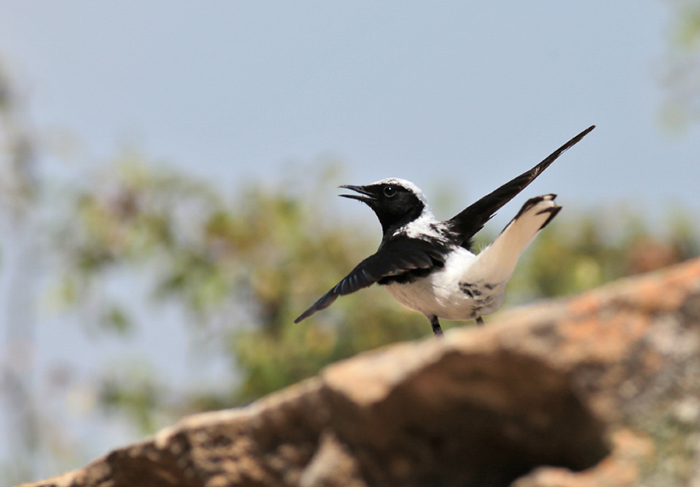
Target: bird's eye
{"type": "Point", "coordinates": [389, 191]}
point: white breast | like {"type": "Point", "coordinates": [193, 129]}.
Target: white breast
{"type": "Point", "coordinates": [443, 293]}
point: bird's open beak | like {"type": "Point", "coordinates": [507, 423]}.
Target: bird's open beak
{"type": "Point", "coordinates": [364, 196]}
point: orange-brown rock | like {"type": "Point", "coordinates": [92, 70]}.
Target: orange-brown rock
{"type": "Point", "coordinates": [599, 390]}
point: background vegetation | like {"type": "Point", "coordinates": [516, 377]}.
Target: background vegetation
{"type": "Point", "coordinates": [241, 270]}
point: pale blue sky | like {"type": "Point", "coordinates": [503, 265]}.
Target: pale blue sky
{"type": "Point", "coordinates": [460, 95]}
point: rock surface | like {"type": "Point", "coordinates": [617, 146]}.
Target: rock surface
{"type": "Point", "coordinates": [599, 390]}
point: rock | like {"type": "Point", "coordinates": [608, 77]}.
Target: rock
{"type": "Point", "coordinates": [599, 390]}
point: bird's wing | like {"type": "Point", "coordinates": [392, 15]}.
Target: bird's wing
{"type": "Point", "coordinates": [394, 258]}
{"type": "Point", "coordinates": [472, 219]}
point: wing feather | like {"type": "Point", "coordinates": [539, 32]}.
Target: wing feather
{"type": "Point", "coordinates": [472, 219]}
{"type": "Point", "coordinates": [394, 258]}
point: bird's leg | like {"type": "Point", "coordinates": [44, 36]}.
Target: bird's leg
{"type": "Point", "coordinates": [436, 325]}
{"type": "Point", "coordinates": [479, 321]}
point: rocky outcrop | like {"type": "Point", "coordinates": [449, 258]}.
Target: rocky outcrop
{"type": "Point", "coordinates": [599, 390]}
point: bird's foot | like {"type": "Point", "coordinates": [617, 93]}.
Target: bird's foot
{"type": "Point", "coordinates": [435, 322]}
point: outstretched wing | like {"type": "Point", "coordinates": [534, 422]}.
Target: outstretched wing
{"type": "Point", "coordinates": [472, 219]}
{"type": "Point", "coordinates": [397, 257]}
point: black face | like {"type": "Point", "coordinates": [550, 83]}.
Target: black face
{"type": "Point", "coordinates": [394, 204]}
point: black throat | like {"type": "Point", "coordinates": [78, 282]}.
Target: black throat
{"type": "Point", "coordinates": [393, 219]}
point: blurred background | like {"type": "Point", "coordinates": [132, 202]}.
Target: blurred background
{"type": "Point", "coordinates": [168, 173]}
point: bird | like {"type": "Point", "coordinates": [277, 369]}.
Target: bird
{"type": "Point", "coordinates": [428, 265]}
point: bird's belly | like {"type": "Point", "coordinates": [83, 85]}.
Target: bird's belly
{"type": "Point", "coordinates": [446, 294]}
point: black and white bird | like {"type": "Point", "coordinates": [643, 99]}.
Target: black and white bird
{"type": "Point", "coordinates": [427, 264]}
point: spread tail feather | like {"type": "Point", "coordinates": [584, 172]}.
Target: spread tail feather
{"type": "Point", "coordinates": [496, 262]}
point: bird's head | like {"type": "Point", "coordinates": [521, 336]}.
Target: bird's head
{"type": "Point", "coordinates": [396, 202]}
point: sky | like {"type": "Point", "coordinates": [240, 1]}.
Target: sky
{"type": "Point", "coordinates": [458, 94]}
{"type": "Point", "coordinates": [457, 97]}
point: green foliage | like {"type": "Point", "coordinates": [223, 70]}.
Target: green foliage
{"type": "Point", "coordinates": [134, 393]}
{"type": "Point", "coordinates": [687, 31]}
{"type": "Point", "coordinates": [253, 265]}
{"type": "Point", "coordinates": [680, 78]}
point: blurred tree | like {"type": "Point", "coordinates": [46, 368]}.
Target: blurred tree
{"type": "Point", "coordinates": [250, 267]}
{"type": "Point", "coordinates": [681, 77]}
{"type": "Point", "coordinates": [21, 252]}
